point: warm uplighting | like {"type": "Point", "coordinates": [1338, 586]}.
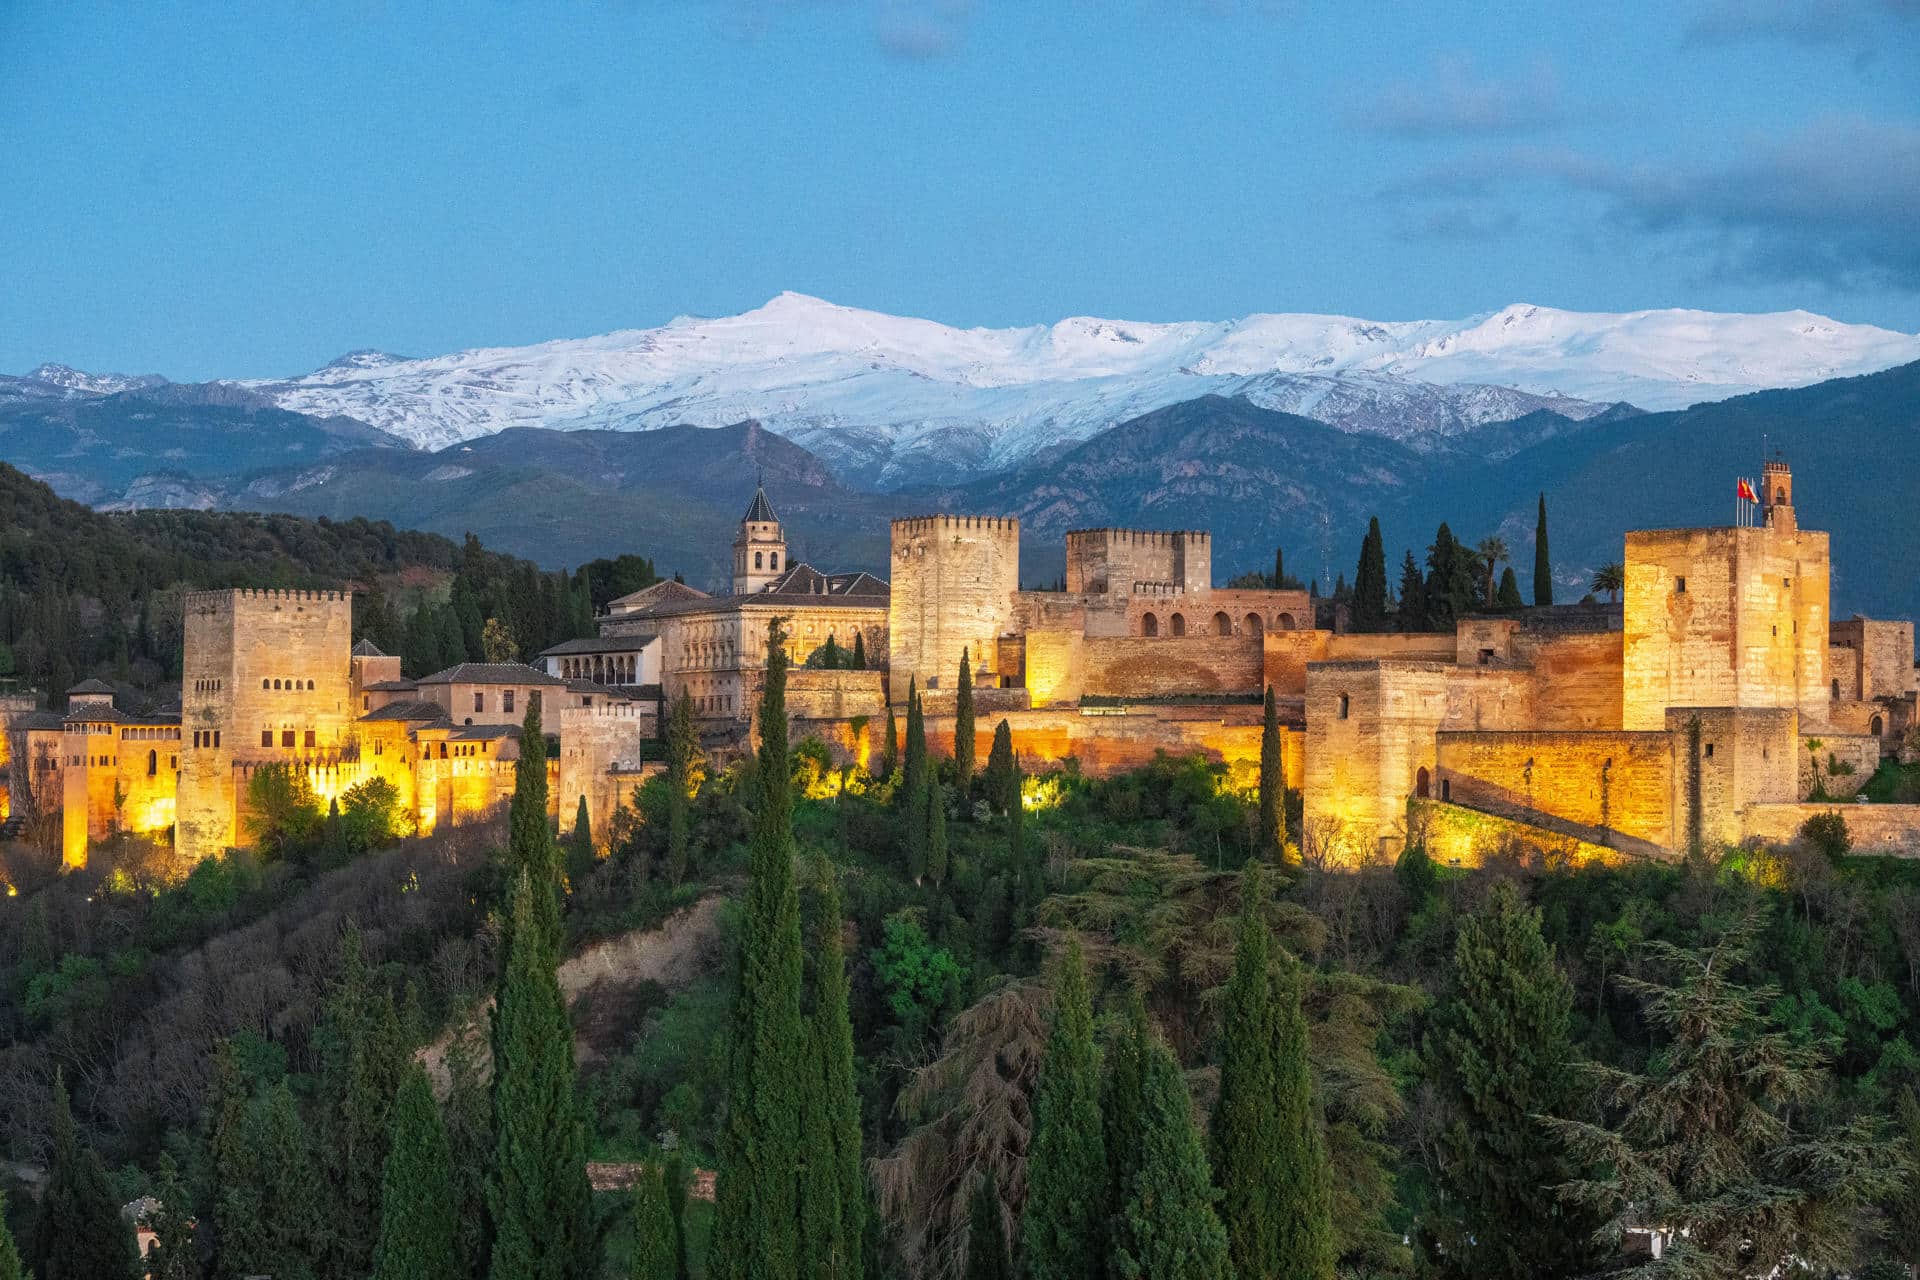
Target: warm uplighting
{"type": "Point", "coordinates": [1037, 794]}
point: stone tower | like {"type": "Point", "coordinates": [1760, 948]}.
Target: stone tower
{"type": "Point", "coordinates": [1776, 493]}
{"type": "Point", "coordinates": [760, 550]}
{"type": "Point", "coordinates": [954, 578]}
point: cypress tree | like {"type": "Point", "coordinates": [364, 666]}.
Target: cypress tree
{"type": "Point", "coordinates": [655, 1256]}
{"type": "Point", "coordinates": [1064, 1226]}
{"type": "Point", "coordinates": [1500, 1053]}
{"type": "Point", "coordinates": [963, 725]}
{"type": "Point", "coordinates": [469, 1122]}
{"type": "Point", "coordinates": [1903, 1215]}
{"type": "Point", "coordinates": [537, 1193]}
{"type": "Point", "coordinates": [1508, 597]}
{"type": "Point", "coordinates": [890, 748]}
{"type": "Point", "coordinates": [362, 1061]}
{"type": "Point", "coordinates": [1412, 613]}
{"type": "Point", "coordinates": [238, 1228]}
{"type": "Point", "coordinates": [172, 1256]}
{"type": "Point", "coordinates": [80, 1234]}
{"type": "Point", "coordinates": [1451, 588]}
{"type": "Point", "coordinates": [1121, 1112]}
{"type": "Point", "coordinates": [674, 1175]}
{"type": "Point", "coordinates": [1273, 786]}
{"type": "Point", "coordinates": [1169, 1230]}
{"type": "Point", "coordinates": [1370, 581]}
{"type": "Point", "coordinates": [1279, 568]}
{"type": "Point", "coordinates": [1268, 1154]}
{"type": "Point", "coordinates": [10, 1268]}
{"type": "Point", "coordinates": [859, 651]}
{"type": "Point", "coordinates": [936, 832]}
{"type": "Point", "coordinates": [1542, 566]}
{"type": "Point", "coordinates": [1002, 781]}
{"type": "Point", "coordinates": [530, 845]}
{"type": "Point", "coordinates": [832, 1187]}
{"type": "Point", "coordinates": [756, 1218]}
{"type": "Point", "coordinates": [914, 787]}
{"type": "Point", "coordinates": [680, 749]}
{"type": "Point", "coordinates": [286, 1189]}
{"type": "Point", "coordinates": [417, 1226]}
{"type": "Point", "coordinates": [580, 856]}
{"type": "Point", "coordinates": [986, 1232]}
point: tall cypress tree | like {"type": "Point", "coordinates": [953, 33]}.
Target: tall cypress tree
{"type": "Point", "coordinates": [1452, 589]}
{"type": "Point", "coordinates": [1412, 611]}
{"type": "Point", "coordinates": [537, 1195]}
{"type": "Point", "coordinates": [1065, 1226]}
{"type": "Point", "coordinates": [936, 832]}
{"type": "Point", "coordinates": [1500, 1053]}
{"type": "Point", "coordinates": [963, 725]}
{"type": "Point", "coordinates": [417, 1206]}
{"type": "Point", "coordinates": [468, 1117]}
{"type": "Point", "coordinates": [1508, 597]}
{"type": "Point", "coordinates": [890, 748]}
{"type": "Point", "coordinates": [80, 1234]}
{"type": "Point", "coordinates": [1002, 781]}
{"type": "Point", "coordinates": [283, 1192]}
{"type": "Point", "coordinates": [680, 749]}
{"type": "Point", "coordinates": [674, 1176]}
{"type": "Point", "coordinates": [530, 845]}
{"type": "Point", "coordinates": [1279, 568]}
{"type": "Point", "coordinates": [1273, 785]}
{"type": "Point", "coordinates": [1370, 581]}
{"type": "Point", "coordinates": [833, 1198]}
{"type": "Point", "coordinates": [913, 788]}
{"type": "Point", "coordinates": [362, 1061]}
{"type": "Point", "coordinates": [1268, 1154]}
{"type": "Point", "coordinates": [859, 651]}
{"type": "Point", "coordinates": [172, 1255]}
{"type": "Point", "coordinates": [10, 1268]}
{"type": "Point", "coordinates": [1169, 1229]}
{"type": "Point", "coordinates": [654, 1254]}
{"type": "Point", "coordinates": [987, 1257]}
{"type": "Point", "coordinates": [1121, 1113]}
{"type": "Point", "coordinates": [580, 841]}
{"type": "Point", "coordinates": [1542, 565]}
{"type": "Point", "coordinates": [756, 1216]}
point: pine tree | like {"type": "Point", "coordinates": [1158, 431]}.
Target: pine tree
{"type": "Point", "coordinates": [530, 845]}
{"type": "Point", "coordinates": [832, 1187]}
{"type": "Point", "coordinates": [417, 1227]}
{"type": "Point", "coordinates": [172, 1256]}
{"type": "Point", "coordinates": [890, 748]}
{"type": "Point", "coordinates": [963, 726]}
{"type": "Point", "coordinates": [1500, 1053]}
{"type": "Point", "coordinates": [1412, 612]}
{"type": "Point", "coordinates": [1169, 1230]}
{"type": "Point", "coordinates": [756, 1215]}
{"type": "Point", "coordinates": [987, 1257]}
{"type": "Point", "coordinates": [1508, 597]}
{"type": "Point", "coordinates": [936, 832]}
{"type": "Point", "coordinates": [10, 1266]}
{"type": "Point", "coordinates": [1542, 566]}
{"type": "Point", "coordinates": [1121, 1110]}
{"type": "Point", "coordinates": [859, 651]}
{"type": "Point", "coordinates": [80, 1234]}
{"type": "Point", "coordinates": [1268, 1154]}
{"type": "Point", "coordinates": [537, 1194]}
{"type": "Point", "coordinates": [1273, 785]}
{"type": "Point", "coordinates": [1002, 781]}
{"type": "Point", "coordinates": [362, 1061]}
{"type": "Point", "coordinates": [1064, 1225]}
{"type": "Point", "coordinates": [1370, 581]}
{"type": "Point", "coordinates": [655, 1256]}
{"type": "Point", "coordinates": [913, 788]}
{"type": "Point", "coordinates": [680, 749]}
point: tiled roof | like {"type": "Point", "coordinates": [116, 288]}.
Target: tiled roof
{"type": "Point", "coordinates": [491, 673]}
{"type": "Point", "coordinates": [647, 599]}
{"type": "Point", "coordinates": [483, 732]}
{"type": "Point", "coordinates": [392, 686]}
{"type": "Point", "coordinates": [91, 686]}
{"type": "Point", "coordinates": [602, 644]}
{"type": "Point", "coordinates": [367, 649]}
{"type": "Point", "coordinates": [760, 511]}
{"type": "Point", "coordinates": [410, 709]}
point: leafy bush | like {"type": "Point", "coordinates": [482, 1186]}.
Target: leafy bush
{"type": "Point", "coordinates": [1827, 833]}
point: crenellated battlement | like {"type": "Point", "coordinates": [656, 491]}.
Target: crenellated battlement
{"type": "Point", "coordinates": [610, 711]}
{"type": "Point", "coordinates": [265, 595]}
{"type": "Point", "coordinates": [910, 525]}
{"type": "Point", "coordinates": [1141, 537]}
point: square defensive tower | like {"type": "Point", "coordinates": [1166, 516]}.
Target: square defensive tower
{"type": "Point", "coordinates": [954, 579]}
{"type": "Point", "coordinates": [1112, 561]}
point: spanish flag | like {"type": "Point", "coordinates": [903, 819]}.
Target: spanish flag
{"type": "Point", "coordinates": [1746, 491]}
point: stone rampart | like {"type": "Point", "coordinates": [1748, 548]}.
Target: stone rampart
{"type": "Point", "coordinates": [1890, 829]}
{"type": "Point", "coordinates": [1576, 678]}
{"type": "Point", "coordinates": [1111, 740]}
{"type": "Point", "coordinates": [1604, 781]}
{"type": "Point", "coordinates": [1111, 561]}
{"type": "Point", "coordinates": [1839, 763]}
{"type": "Point", "coordinates": [953, 585]}
{"type": "Point", "coordinates": [1460, 837]}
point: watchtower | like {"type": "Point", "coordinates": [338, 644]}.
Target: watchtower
{"type": "Point", "coordinates": [954, 579]}
{"type": "Point", "coordinates": [760, 550]}
{"type": "Point", "coordinates": [1776, 493]}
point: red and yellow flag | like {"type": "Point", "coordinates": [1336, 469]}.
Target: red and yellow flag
{"type": "Point", "coordinates": [1746, 491]}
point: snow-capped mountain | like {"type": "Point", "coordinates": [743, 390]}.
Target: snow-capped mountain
{"type": "Point", "coordinates": [892, 400]}
{"type": "Point", "coordinates": [104, 384]}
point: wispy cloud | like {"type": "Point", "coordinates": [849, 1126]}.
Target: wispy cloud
{"type": "Point", "coordinates": [1833, 204]}
{"type": "Point", "coordinates": [1798, 21]}
{"type": "Point", "coordinates": [1455, 100]}
{"type": "Point", "coordinates": [920, 29]}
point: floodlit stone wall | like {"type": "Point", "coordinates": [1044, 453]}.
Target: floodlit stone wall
{"type": "Point", "coordinates": [1285, 655]}
{"type": "Point", "coordinates": [1839, 763]}
{"type": "Point", "coordinates": [1370, 732]}
{"type": "Point", "coordinates": [1881, 660]}
{"type": "Point", "coordinates": [1112, 561]}
{"type": "Point", "coordinates": [953, 585]}
{"type": "Point", "coordinates": [1747, 755]}
{"type": "Point", "coordinates": [1112, 740]}
{"type": "Point", "coordinates": [1576, 679]}
{"type": "Point", "coordinates": [1887, 829]}
{"type": "Point", "coordinates": [1460, 837]}
{"type": "Point", "coordinates": [1616, 781]}
{"type": "Point", "coordinates": [599, 745]}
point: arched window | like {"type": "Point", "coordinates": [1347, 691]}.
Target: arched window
{"type": "Point", "coordinates": [1222, 625]}
{"type": "Point", "coordinates": [264, 684]}
{"type": "Point", "coordinates": [1422, 782]}
{"type": "Point", "coordinates": [1836, 691]}
{"type": "Point", "coordinates": [773, 560]}
{"type": "Point", "coordinates": [1149, 625]}
{"type": "Point", "coordinates": [1177, 624]}
{"type": "Point", "coordinates": [1254, 626]}
{"type": "Point", "coordinates": [153, 763]}
{"type": "Point", "coordinates": [1878, 727]}
{"type": "Point", "coordinates": [1446, 789]}
{"type": "Point", "coordinates": [276, 684]}
{"type": "Point", "coordinates": [1780, 498]}
{"type": "Point", "coordinates": [309, 686]}
{"type": "Point", "coordinates": [757, 560]}
{"type": "Point", "coordinates": [1284, 622]}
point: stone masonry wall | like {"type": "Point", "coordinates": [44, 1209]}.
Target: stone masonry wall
{"type": "Point", "coordinates": [1576, 678]}
{"type": "Point", "coordinates": [1603, 781]}
{"type": "Point", "coordinates": [1111, 561]}
{"type": "Point", "coordinates": [1746, 756]}
{"type": "Point", "coordinates": [1888, 829]}
{"type": "Point", "coordinates": [1860, 752]}
{"type": "Point", "coordinates": [954, 579]}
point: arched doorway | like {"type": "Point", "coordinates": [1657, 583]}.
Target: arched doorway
{"type": "Point", "coordinates": [1222, 625]}
{"type": "Point", "coordinates": [1254, 626]}
{"type": "Point", "coordinates": [1177, 624]}
{"type": "Point", "coordinates": [1149, 625]}
{"type": "Point", "coordinates": [1422, 783]}
{"type": "Point", "coordinates": [1284, 622]}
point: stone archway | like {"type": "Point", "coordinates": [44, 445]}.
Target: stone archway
{"type": "Point", "coordinates": [1222, 624]}
{"type": "Point", "coordinates": [1422, 783]}
{"type": "Point", "coordinates": [1253, 625]}
{"type": "Point", "coordinates": [1878, 727]}
{"type": "Point", "coordinates": [1284, 622]}
{"type": "Point", "coordinates": [1177, 624]}
{"type": "Point", "coordinates": [1149, 625]}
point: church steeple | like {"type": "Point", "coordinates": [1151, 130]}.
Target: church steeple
{"type": "Point", "coordinates": [760, 551]}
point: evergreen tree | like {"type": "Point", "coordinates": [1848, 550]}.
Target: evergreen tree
{"type": "Point", "coordinates": [10, 1266]}
{"type": "Point", "coordinates": [1508, 597]}
{"type": "Point", "coordinates": [1268, 1153]}
{"type": "Point", "coordinates": [1279, 568]}
{"type": "Point", "coordinates": [936, 832]}
{"type": "Point", "coordinates": [1499, 1051]}
{"type": "Point", "coordinates": [675, 1177]}
{"type": "Point", "coordinates": [537, 1195]}
{"type": "Point", "coordinates": [1002, 781]}
{"type": "Point", "coordinates": [417, 1227]}
{"type": "Point", "coordinates": [890, 748]}
{"type": "Point", "coordinates": [1064, 1226]}
{"type": "Point", "coordinates": [987, 1257]}
{"type": "Point", "coordinates": [80, 1234]}
{"type": "Point", "coordinates": [1903, 1214]}
{"type": "Point", "coordinates": [580, 855]}
{"type": "Point", "coordinates": [333, 838]}
{"type": "Point", "coordinates": [756, 1216]}
{"type": "Point", "coordinates": [1169, 1230]}
{"type": "Point", "coordinates": [859, 651]}
{"type": "Point", "coordinates": [530, 844]}
{"type": "Point", "coordinates": [1273, 786]}
{"type": "Point", "coordinates": [655, 1256]}
{"type": "Point", "coordinates": [1411, 614]}
{"type": "Point", "coordinates": [468, 1117]}
{"type": "Point", "coordinates": [1452, 590]}
{"type": "Point", "coordinates": [913, 788]}
{"type": "Point", "coordinates": [286, 1189]}
{"type": "Point", "coordinates": [362, 1061]}
{"type": "Point", "coordinates": [963, 743]}
{"type": "Point", "coordinates": [172, 1256]}
{"type": "Point", "coordinates": [833, 1196]}
{"type": "Point", "coordinates": [1121, 1111]}
{"type": "Point", "coordinates": [681, 745]}
{"type": "Point", "coordinates": [1370, 581]}
{"type": "Point", "coordinates": [238, 1229]}
{"type": "Point", "coordinates": [1542, 566]}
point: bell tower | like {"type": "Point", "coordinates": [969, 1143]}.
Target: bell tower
{"type": "Point", "coordinates": [1776, 493]}
{"type": "Point", "coordinates": [760, 550]}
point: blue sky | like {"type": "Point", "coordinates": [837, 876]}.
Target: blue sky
{"type": "Point", "coordinates": [203, 190]}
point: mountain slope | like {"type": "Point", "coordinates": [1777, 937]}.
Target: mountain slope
{"type": "Point", "coordinates": [893, 401]}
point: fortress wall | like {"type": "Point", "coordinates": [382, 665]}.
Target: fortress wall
{"type": "Point", "coordinates": [1370, 730]}
{"type": "Point", "coordinates": [1284, 659]}
{"type": "Point", "coordinates": [1888, 829]}
{"type": "Point", "coordinates": [1137, 667]}
{"type": "Point", "coordinates": [595, 742]}
{"type": "Point", "coordinates": [1746, 756]}
{"type": "Point", "coordinates": [1576, 679]}
{"type": "Point", "coordinates": [827, 695]}
{"type": "Point", "coordinates": [1123, 738]}
{"type": "Point", "coordinates": [1275, 610]}
{"type": "Point", "coordinates": [1861, 751]}
{"type": "Point", "coordinates": [1883, 656]}
{"type": "Point", "coordinates": [1423, 646]}
{"type": "Point", "coordinates": [1617, 781]}
{"type": "Point", "coordinates": [1111, 561]}
{"type": "Point", "coordinates": [954, 579]}
{"type": "Point", "coordinates": [1461, 837]}
{"type": "Point", "coordinates": [1843, 672]}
